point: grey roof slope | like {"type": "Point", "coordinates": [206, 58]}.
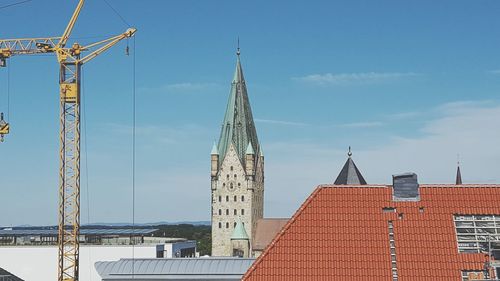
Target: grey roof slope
{"type": "Point", "coordinates": [7, 276]}
{"type": "Point", "coordinates": [174, 269]}
{"type": "Point", "coordinates": [350, 174]}
{"type": "Point", "coordinates": [238, 126]}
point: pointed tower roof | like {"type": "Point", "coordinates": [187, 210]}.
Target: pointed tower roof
{"type": "Point", "coordinates": [215, 151]}
{"type": "Point", "coordinates": [239, 232]}
{"type": "Point", "coordinates": [250, 149]}
{"type": "Point", "coordinates": [350, 174]}
{"type": "Point", "coordinates": [458, 180]}
{"type": "Point", "coordinates": [238, 126]}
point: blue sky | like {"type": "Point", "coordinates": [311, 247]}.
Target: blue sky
{"type": "Point", "coordinates": [407, 84]}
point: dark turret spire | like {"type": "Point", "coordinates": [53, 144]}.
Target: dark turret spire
{"type": "Point", "coordinates": [350, 174]}
{"type": "Point", "coordinates": [458, 180]}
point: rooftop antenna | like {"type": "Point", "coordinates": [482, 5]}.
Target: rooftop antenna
{"type": "Point", "coordinates": [349, 153]}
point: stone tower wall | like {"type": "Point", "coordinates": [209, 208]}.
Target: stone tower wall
{"type": "Point", "coordinates": [232, 192]}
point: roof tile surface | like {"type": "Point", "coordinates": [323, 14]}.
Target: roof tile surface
{"type": "Point", "coordinates": [342, 233]}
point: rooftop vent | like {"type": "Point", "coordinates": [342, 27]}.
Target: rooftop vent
{"type": "Point", "coordinates": [405, 187]}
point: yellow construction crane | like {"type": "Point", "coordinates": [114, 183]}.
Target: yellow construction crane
{"type": "Point", "coordinates": [71, 59]}
{"type": "Point", "coordinates": [4, 127]}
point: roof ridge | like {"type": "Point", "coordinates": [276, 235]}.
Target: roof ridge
{"type": "Point", "coordinates": [282, 231]}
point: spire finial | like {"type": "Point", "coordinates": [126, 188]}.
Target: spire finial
{"type": "Point", "coordinates": [238, 50]}
{"type": "Point", "coordinates": [349, 153]}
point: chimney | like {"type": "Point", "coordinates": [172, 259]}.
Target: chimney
{"type": "Point", "coordinates": [405, 187]}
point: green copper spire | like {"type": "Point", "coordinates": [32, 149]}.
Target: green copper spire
{"type": "Point", "coordinates": [250, 149]}
{"type": "Point", "coordinates": [239, 232]}
{"type": "Point", "coordinates": [238, 126]}
{"type": "Point", "coordinates": [215, 151]}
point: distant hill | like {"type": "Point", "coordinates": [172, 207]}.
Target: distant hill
{"type": "Point", "coordinates": [122, 224]}
{"type": "Point", "coordinates": [107, 224]}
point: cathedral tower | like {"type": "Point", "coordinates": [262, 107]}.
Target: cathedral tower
{"type": "Point", "coordinates": [237, 170]}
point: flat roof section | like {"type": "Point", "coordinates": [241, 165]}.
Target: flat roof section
{"type": "Point", "coordinates": [53, 232]}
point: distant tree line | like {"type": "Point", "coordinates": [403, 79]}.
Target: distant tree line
{"type": "Point", "coordinates": [201, 233]}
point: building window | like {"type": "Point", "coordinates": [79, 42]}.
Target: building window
{"type": "Point", "coordinates": [242, 198]}
{"type": "Point", "coordinates": [239, 184]}
{"type": "Point", "coordinates": [235, 198]}
{"type": "Point", "coordinates": [227, 198]}
{"type": "Point", "coordinates": [220, 198]}
{"type": "Point", "coordinates": [231, 168]}
{"type": "Point", "coordinates": [220, 225]}
{"type": "Point", "coordinates": [235, 176]}
{"type": "Point", "coordinates": [227, 176]}
{"type": "Point", "coordinates": [227, 225]}
{"type": "Point", "coordinates": [220, 212]}
{"type": "Point", "coordinates": [227, 212]}
{"type": "Point", "coordinates": [224, 185]}
{"type": "Point", "coordinates": [242, 212]}
{"type": "Point", "coordinates": [234, 224]}
{"type": "Point", "coordinates": [475, 231]}
{"type": "Point", "coordinates": [235, 212]}
{"type": "Point", "coordinates": [231, 185]}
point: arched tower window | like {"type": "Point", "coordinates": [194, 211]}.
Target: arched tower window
{"type": "Point", "coordinates": [220, 212]}
{"type": "Point", "coordinates": [220, 225]}
{"type": "Point", "coordinates": [235, 212]}
{"type": "Point", "coordinates": [242, 198]}
{"type": "Point", "coordinates": [242, 212]}
{"type": "Point", "coordinates": [227, 225]}
{"type": "Point", "coordinates": [227, 212]}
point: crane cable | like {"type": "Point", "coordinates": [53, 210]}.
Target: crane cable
{"type": "Point", "coordinates": [133, 129]}
{"type": "Point", "coordinates": [118, 14]}
{"type": "Point", "coordinates": [15, 4]}
{"type": "Point", "coordinates": [86, 165]}
{"type": "Point", "coordinates": [8, 95]}
{"type": "Point", "coordinates": [133, 150]}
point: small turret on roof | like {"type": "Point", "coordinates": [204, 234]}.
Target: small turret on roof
{"type": "Point", "coordinates": [250, 149]}
{"type": "Point", "coordinates": [350, 174]}
{"type": "Point", "coordinates": [458, 180]}
{"type": "Point", "coordinates": [239, 232]}
{"type": "Point", "coordinates": [215, 151]}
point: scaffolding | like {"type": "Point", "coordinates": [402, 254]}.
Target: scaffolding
{"type": "Point", "coordinates": [477, 233]}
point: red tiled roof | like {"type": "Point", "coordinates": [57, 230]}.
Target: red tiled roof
{"type": "Point", "coordinates": [341, 233]}
{"type": "Point", "coordinates": [265, 231]}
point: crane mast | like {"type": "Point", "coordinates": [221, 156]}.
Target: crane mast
{"type": "Point", "coordinates": [70, 61]}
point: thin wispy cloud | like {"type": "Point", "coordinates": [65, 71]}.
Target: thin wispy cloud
{"type": "Point", "coordinates": [182, 87]}
{"type": "Point", "coordinates": [355, 78]}
{"type": "Point", "coordinates": [404, 115]}
{"type": "Point", "coordinates": [362, 125]}
{"type": "Point", "coordinates": [496, 72]}
{"type": "Point", "coordinates": [280, 122]}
